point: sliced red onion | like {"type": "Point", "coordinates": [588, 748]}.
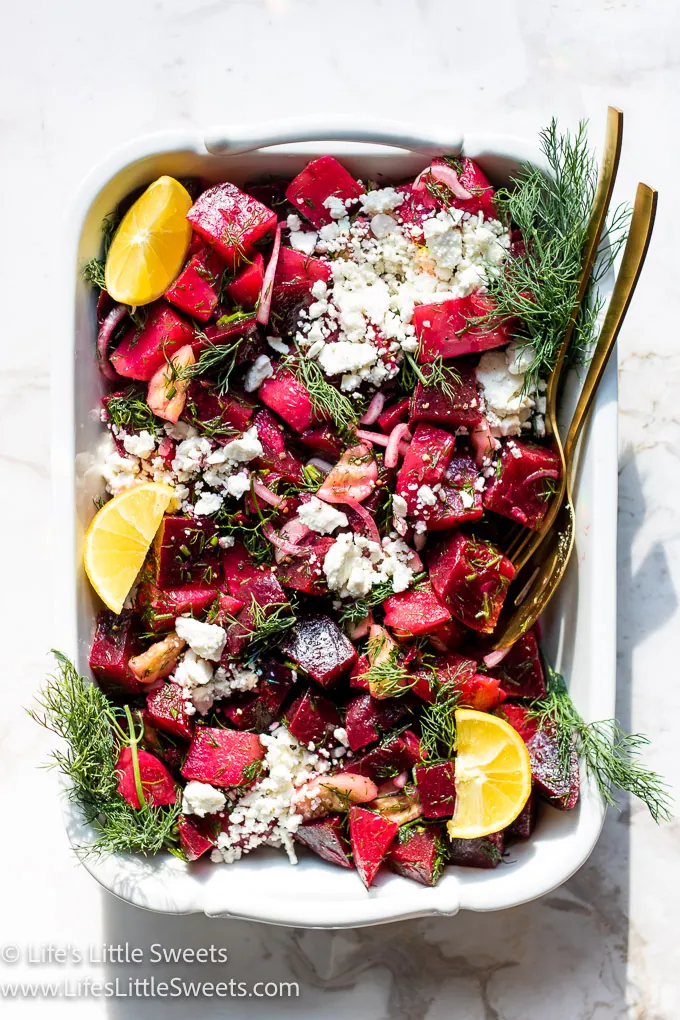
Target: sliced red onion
{"type": "Point", "coordinates": [448, 176]}
{"type": "Point", "coordinates": [366, 518]}
{"type": "Point", "coordinates": [401, 780]}
{"type": "Point", "coordinates": [542, 473]}
{"type": "Point", "coordinates": [360, 629]}
{"type": "Point", "coordinates": [265, 301]}
{"type": "Point", "coordinates": [494, 658]}
{"type": "Point", "coordinates": [414, 560]}
{"type": "Point", "coordinates": [482, 441]}
{"type": "Point", "coordinates": [282, 545]}
{"type": "Point", "coordinates": [321, 464]}
{"type": "Point", "coordinates": [262, 492]}
{"type": "Point", "coordinates": [403, 448]}
{"type": "Point", "coordinates": [418, 183]}
{"type": "Point", "coordinates": [398, 433]}
{"type": "Point", "coordinates": [116, 315]}
{"type": "Point", "coordinates": [374, 409]}
{"type": "Point", "coordinates": [372, 437]}
{"type": "Point", "coordinates": [420, 540]}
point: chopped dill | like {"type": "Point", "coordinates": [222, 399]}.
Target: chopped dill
{"type": "Point", "coordinates": [436, 375]}
{"type": "Point", "coordinates": [93, 272]}
{"type": "Point", "coordinates": [129, 410]}
{"type": "Point", "coordinates": [216, 360]}
{"type": "Point", "coordinates": [327, 401]}
{"type": "Point", "coordinates": [269, 624]}
{"type": "Point", "coordinates": [438, 723]}
{"type": "Point", "coordinates": [386, 676]}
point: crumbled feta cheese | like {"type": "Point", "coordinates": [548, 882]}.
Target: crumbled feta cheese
{"type": "Point", "coordinates": [343, 357]}
{"type": "Point", "coordinates": [209, 503]}
{"type": "Point", "coordinates": [336, 206]}
{"type": "Point", "coordinates": [238, 485]}
{"type": "Point", "coordinates": [321, 517]}
{"type": "Point", "coordinates": [226, 541]}
{"type": "Point", "coordinates": [508, 401]}
{"type": "Point", "coordinates": [193, 671]}
{"type": "Point", "coordinates": [399, 505]}
{"type": "Point", "coordinates": [278, 345]}
{"type": "Point", "coordinates": [205, 639]}
{"type": "Point", "coordinates": [425, 496]}
{"type": "Point", "coordinates": [353, 564]}
{"type": "Point", "coordinates": [382, 225]}
{"type": "Point", "coordinates": [260, 370]}
{"type": "Point", "coordinates": [202, 799]}
{"type": "Point", "coordinates": [141, 446]}
{"type": "Point", "coordinates": [382, 200]}
{"type": "Point", "coordinates": [293, 222]}
{"type": "Point", "coordinates": [304, 241]}
{"type": "Point", "coordinates": [245, 449]}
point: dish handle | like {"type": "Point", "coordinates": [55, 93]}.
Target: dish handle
{"type": "Point", "coordinates": [238, 139]}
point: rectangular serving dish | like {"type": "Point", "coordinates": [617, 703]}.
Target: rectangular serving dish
{"type": "Point", "coordinates": [579, 629]}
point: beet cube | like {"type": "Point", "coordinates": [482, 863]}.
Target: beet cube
{"type": "Point", "coordinates": [238, 568]}
{"type": "Point", "coordinates": [166, 711]}
{"type": "Point", "coordinates": [312, 717]}
{"type": "Point", "coordinates": [263, 595]}
{"type": "Point", "coordinates": [196, 835]}
{"type": "Point", "coordinates": [360, 722]}
{"type": "Point", "coordinates": [357, 677]}
{"type": "Point", "coordinates": [458, 500]}
{"type": "Point", "coordinates": [319, 647]}
{"type": "Point", "coordinates": [474, 180]}
{"type": "Point", "coordinates": [387, 760]}
{"type": "Point", "coordinates": [444, 329]}
{"type": "Point", "coordinates": [231, 221]}
{"type": "Point", "coordinates": [456, 407]}
{"type": "Point", "coordinates": [394, 415]}
{"type": "Point", "coordinates": [522, 488]}
{"type": "Point", "coordinates": [226, 332]}
{"type": "Point", "coordinates": [204, 404]}
{"type": "Point", "coordinates": [289, 398]}
{"type": "Point", "coordinates": [323, 441]}
{"type": "Point", "coordinates": [326, 838]}
{"type": "Point", "coordinates": [305, 572]}
{"type": "Point", "coordinates": [520, 719]}
{"type": "Point", "coordinates": [436, 788]}
{"type": "Point", "coordinates": [370, 836]}
{"type": "Point", "coordinates": [245, 289]}
{"type": "Point", "coordinates": [296, 274]}
{"type": "Point", "coordinates": [523, 826]}
{"type": "Point", "coordinates": [483, 852]}
{"type": "Point", "coordinates": [559, 785]}
{"type": "Point", "coordinates": [448, 637]}
{"type": "Point", "coordinates": [223, 757]}
{"type": "Point", "coordinates": [160, 608]}
{"type": "Point", "coordinates": [472, 577]}
{"type": "Point", "coordinates": [425, 464]}
{"type": "Point", "coordinates": [276, 448]}
{"type": "Point", "coordinates": [196, 289]}
{"type": "Point", "coordinates": [257, 709]}
{"type": "Point", "coordinates": [321, 179]}
{"type": "Point", "coordinates": [477, 690]}
{"type": "Point", "coordinates": [158, 786]}
{"type": "Point", "coordinates": [521, 671]}
{"type": "Point", "coordinates": [187, 552]}
{"type": "Point", "coordinates": [112, 646]}
{"type": "Point", "coordinates": [411, 749]}
{"type": "Point", "coordinates": [415, 612]}
{"type": "Point", "coordinates": [417, 853]}
{"type": "Point", "coordinates": [142, 351]}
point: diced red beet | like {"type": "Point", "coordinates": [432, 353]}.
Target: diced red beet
{"type": "Point", "coordinates": [436, 788]}
{"type": "Point", "coordinates": [205, 404]}
{"type": "Point", "coordinates": [275, 444]}
{"type": "Point", "coordinates": [417, 854]}
{"type": "Point", "coordinates": [238, 568]}
{"type": "Point", "coordinates": [425, 463]}
{"type": "Point", "coordinates": [231, 221]}
{"type": "Point", "coordinates": [521, 490]}
{"type": "Point", "coordinates": [319, 647]}
{"type": "Point", "coordinates": [520, 719]}
{"type": "Point", "coordinates": [394, 415]}
{"type": "Point", "coordinates": [448, 637]}
{"type": "Point", "coordinates": [158, 786]}
{"type": "Point", "coordinates": [412, 750]}
{"type": "Point", "coordinates": [472, 578]}
{"type": "Point", "coordinates": [296, 274]}
{"type": "Point", "coordinates": [166, 711]}
{"type": "Point", "coordinates": [312, 717]}
{"type": "Point", "coordinates": [112, 646]}
{"type": "Point", "coordinates": [323, 440]}
{"type": "Point", "coordinates": [289, 398]}
{"type": "Point", "coordinates": [245, 289]}
{"type": "Point", "coordinates": [410, 613]}
{"type": "Point", "coordinates": [360, 722]}
{"type": "Point", "coordinates": [196, 290]}
{"type": "Point", "coordinates": [458, 500]}
{"type": "Point", "coordinates": [456, 407]}
{"type": "Point", "coordinates": [305, 572]}
{"type": "Point", "coordinates": [484, 852]}
{"type": "Point", "coordinates": [196, 835]}
{"type": "Point", "coordinates": [258, 708]}
{"type": "Point", "coordinates": [477, 690]}
{"type": "Point", "coordinates": [142, 351]}
{"type": "Point", "coordinates": [357, 677]}
{"type": "Point", "coordinates": [226, 332]}
{"type": "Point", "coordinates": [444, 329]}
{"type": "Point", "coordinates": [370, 835]}
{"type": "Point", "coordinates": [474, 180]}
{"type": "Point", "coordinates": [187, 552]}
{"type": "Point", "coordinates": [521, 671]}
{"type": "Point", "coordinates": [416, 207]}
{"type": "Point", "coordinates": [321, 179]}
{"type": "Point", "coordinates": [388, 759]}
{"type": "Point", "coordinates": [160, 608]}
{"type": "Point", "coordinates": [524, 824]}
{"type": "Point", "coordinates": [326, 837]}
{"type": "Point", "coordinates": [263, 592]}
{"type": "Point", "coordinates": [558, 785]}
{"type": "Point", "coordinates": [223, 757]}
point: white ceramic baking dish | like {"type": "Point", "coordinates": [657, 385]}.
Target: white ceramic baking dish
{"type": "Point", "coordinates": [579, 633]}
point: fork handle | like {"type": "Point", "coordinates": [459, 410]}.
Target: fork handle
{"type": "Point", "coordinates": [635, 252]}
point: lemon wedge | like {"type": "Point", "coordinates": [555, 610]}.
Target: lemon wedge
{"type": "Point", "coordinates": [119, 538]}
{"type": "Point", "coordinates": [493, 775]}
{"type": "Point", "coordinates": [150, 244]}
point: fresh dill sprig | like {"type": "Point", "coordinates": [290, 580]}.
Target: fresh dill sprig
{"type": "Point", "coordinates": [129, 410]}
{"type": "Point", "coordinates": [217, 360]}
{"type": "Point", "coordinates": [93, 272]}
{"type": "Point", "coordinates": [610, 755]}
{"type": "Point", "coordinates": [269, 624]}
{"type": "Point", "coordinates": [327, 401]}
{"type": "Point", "coordinates": [438, 723]}
{"type": "Point", "coordinates": [436, 375]}
{"type": "Point", "coordinates": [110, 225]}
{"type": "Point", "coordinates": [386, 676]}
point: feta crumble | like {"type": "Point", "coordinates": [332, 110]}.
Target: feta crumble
{"type": "Point", "coordinates": [508, 401]}
{"type": "Point", "coordinates": [354, 564]}
{"type": "Point", "coordinates": [207, 640]}
{"type": "Point", "coordinates": [260, 370]}
{"type": "Point", "coordinates": [321, 517]}
{"type": "Point", "coordinates": [202, 799]}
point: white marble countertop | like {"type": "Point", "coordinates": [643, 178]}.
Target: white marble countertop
{"type": "Point", "coordinates": [78, 81]}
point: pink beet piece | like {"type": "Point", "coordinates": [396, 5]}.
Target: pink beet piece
{"type": "Point", "coordinates": [196, 290]}
{"type": "Point", "coordinates": [245, 289]}
{"type": "Point", "coordinates": [257, 709]}
{"type": "Point", "coordinates": [323, 441]}
{"type": "Point", "coordinates": [448, 637]}
{"type": "Point", "coordinates": [319, 647]}
{"type": "Point", "coordinates": [425, 463]}
{"type": "Point", "coordinates": [456, 406]}
{"type": "Point", "coordinates": [394, 415]}
{"type": "Point", "coordinates": [357, 677]}
{"type": "Point", "coordinates": [520, 719]}
{"type": "Point", "coordinates": [415, 612]}
{"type": "Point", "coordinates": [525, 823]}
{"type": "Point", "coordinates": [188, 553]}
{"type": "Point", "coordinates": [223, 757]}
{"type": "Point", "coordinates": [296, 274]}
{"type": "Point", "coordinates": [370, 836]}
{"type": "Point", "coordinates": [204, 404]}
{"type": "Point", "coordinates": [477, 690]}
{"type": "Point", "coordinates": [160, 608]}
{"type": "Point", "coordinates": [521, 671]}
{"type": "Point", "coordinates": [367, 717]}
{"type": "Point", "coordinates": [474, 180]}
{"type": "Point", "coordinates": [522, 488]}
{"type": "Point", "coordinates": [416, 207]}
{"type": "Point", "coordinates": [196, 835]}
{"type": "Point", "coordinates": [158, 786]}
{"type": "Point", "coordinates": [276, 448]}
{"type": "Point", "coordinates": [232, 331]}
{"type": "Point", "coordinates": [472, 578]}
{"type": "Point", "coordinates": [392, 756]}
{"type": "Point", "coordinates": [321, 179]}
{"type": "Point", "coordinates": [231, 221]}
{"type": "Point", "coordinates": [326, 837]}
{"type": "Point", "coordinates": [165, 707]}
{"type": "Point", "coordinates": [289, 398]}
{"type": "Point", "coordinates": [445, 329]}
{"type": "Point", "coordinates": [417, 853]}
{"type": "Point", "coordinates": [112, 646]}
{"type": "Point", "coordinates": [312, 717]}
{"type": "Point", "coordinates": [485, 852]}
{"type": "Point", "coordinates": [143, 350]}
{"type": "Point", "coordinates": [305, 572]}
{"type": "Point", "coordinates": [263, 594]}
{"type": "Point", "coordinates": [238, 569]}
{"type": "Point", "coordinates": [558, 785]}
{"type": "Point", "coordinates": [458, 500]}
{"type": "Point", "coordinates": [436, 788]}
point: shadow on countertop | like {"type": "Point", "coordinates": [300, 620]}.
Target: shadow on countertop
{"type": "Point", "coordinates": [563, 957]}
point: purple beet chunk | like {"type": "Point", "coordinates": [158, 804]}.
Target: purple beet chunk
{"type": "Point", "coordinates": [166, 711]}
{"type": "Point", "coordinates": [319, 647]}
{"type": "Point", "coordinates": [367, 717]}
{"type": "Point", "coordinates": [311, 717]}
{"type": "Point", "coordinates": [264, 591]}
{"type": "Point", "coordinates": [257, 709]}
{"type": "Point", "coordinates": [196, 835]}
{"type": "Point", "coordinates": [559, 786]}
{"type": "Point", "coordinates": [521, 671]}
{"type": "Point", "coordinates": [417, 854]}
{"type": "Point", "coordinates": [112, 646]}
{"type": "Point", "coordinates": [383, 762]}
{"type": "Point", "coordinates": [325, 838]}
{"type": "Point", "coordinates": [437, 789]}
{"type": "Point", "coordinates": [188, 552]}
{"type": "Point", "coordinates": [485, 852]}
{"type": "Point", "coordinates": [524, 824]}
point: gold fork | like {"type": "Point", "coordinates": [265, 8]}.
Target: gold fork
{"type": "Point", "coordinates": [544, 571]}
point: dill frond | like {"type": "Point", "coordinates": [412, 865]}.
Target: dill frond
{"type": "Point", "coordinates": [93, 272]}
{"type": "Point", "coordinates": [327, 401]}
{"type": "Point", "coordinates": [129, 410]}
{"type": "Point", "coordinates": [438, 733]}
{"type": "Point", "coordinates": [436, 375]}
